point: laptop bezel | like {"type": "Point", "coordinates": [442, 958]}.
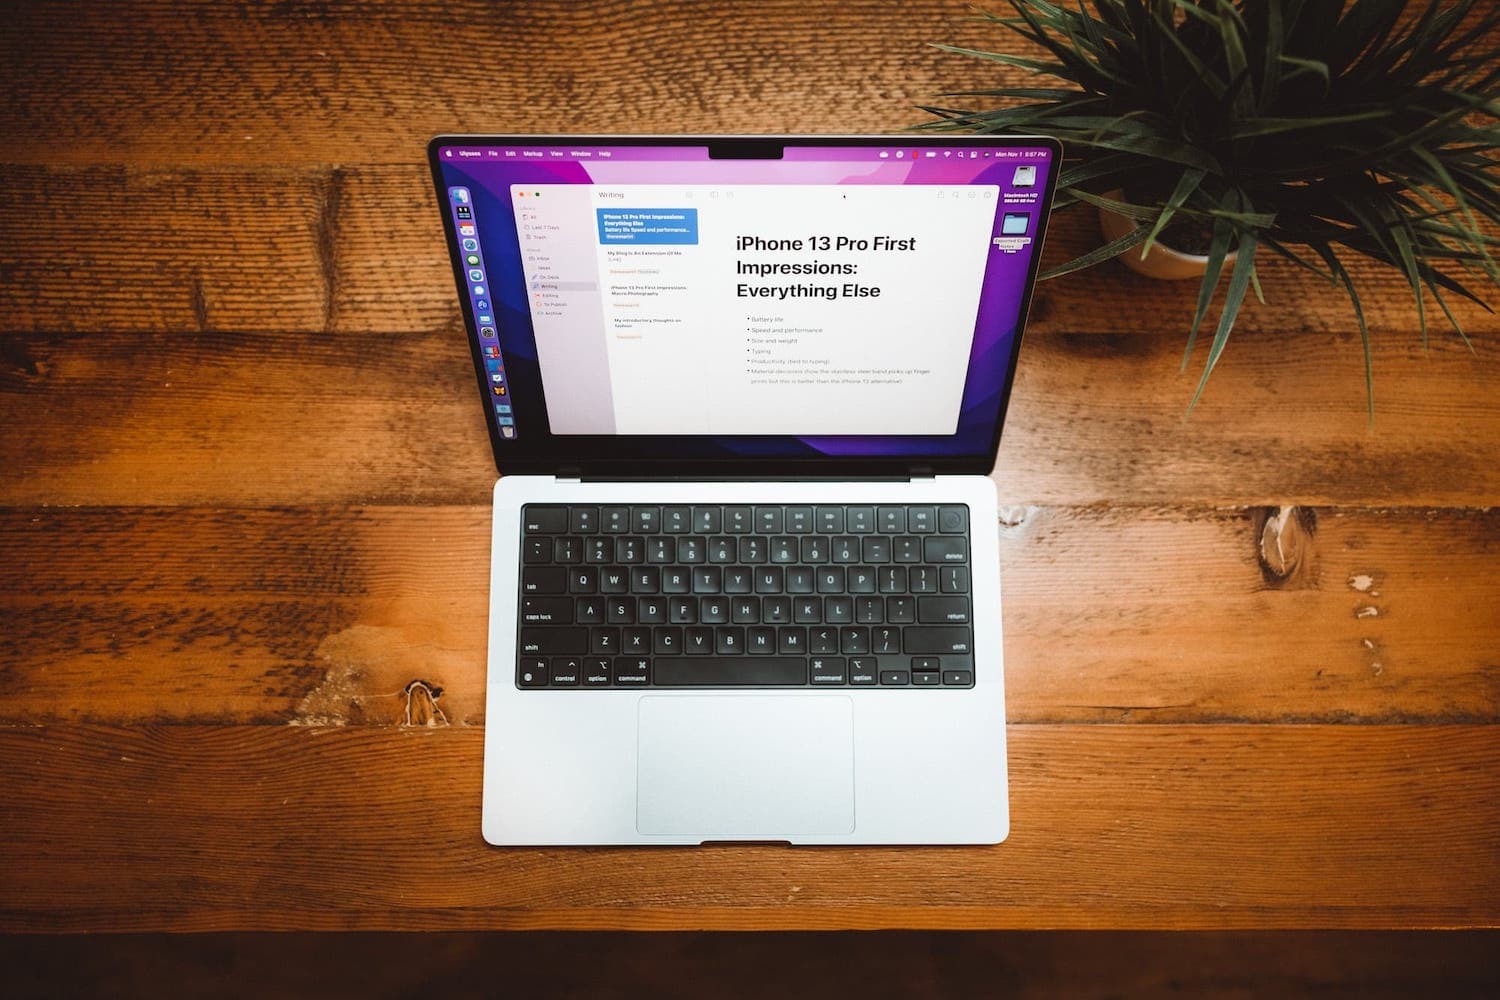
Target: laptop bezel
{"type": "Point", "coordinates": [509, 461]}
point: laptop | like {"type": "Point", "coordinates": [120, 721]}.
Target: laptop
{"type": "Point", "coordinates": [745, 393]}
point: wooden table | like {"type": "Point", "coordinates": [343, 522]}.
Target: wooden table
{"type": "Point", "coordinates": [1253, 656]}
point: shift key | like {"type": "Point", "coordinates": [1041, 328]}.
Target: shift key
{"type": "Point", "coordinates": [937, 640]}
{"type": "Point", "coordinates": [554, 641]}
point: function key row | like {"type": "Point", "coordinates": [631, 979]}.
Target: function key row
{"type": "Point", "coordinates": [692, 550]}
{"type": "Point", "coordinates": [761, 519]}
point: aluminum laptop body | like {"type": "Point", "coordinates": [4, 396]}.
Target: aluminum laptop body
{"type": "Point", "coordinates": [744, 394]}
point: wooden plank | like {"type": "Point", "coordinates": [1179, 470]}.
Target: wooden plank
{"type": "Point", "coordinates": [359, 616]}
{"type": "Point", "coordinates": [269, 419]}
{"type": "Point", "coordinates": [299, 83]}
{"type": "Point", "coordinates": [359, 251]}
{"type": "Point", "coordinates": [1074, 965]}
{"type": "Point", "coordinates": [262, 828]}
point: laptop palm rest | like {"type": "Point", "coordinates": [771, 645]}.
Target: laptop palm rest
{"type": "Point", "coordinates": [745, 766]}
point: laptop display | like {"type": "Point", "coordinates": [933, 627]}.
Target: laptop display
{"type": "Point", "coordinates": [686, 302]}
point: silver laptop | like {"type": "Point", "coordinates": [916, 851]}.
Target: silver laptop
{"type": "Point", "coordinates": [745, 393]}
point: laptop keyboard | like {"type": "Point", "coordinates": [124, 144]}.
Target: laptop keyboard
{"type": "Point", "coordinates": [711, 596]}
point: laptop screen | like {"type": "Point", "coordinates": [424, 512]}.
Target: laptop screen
{"type": "Point", "coordinates": [701, 300]}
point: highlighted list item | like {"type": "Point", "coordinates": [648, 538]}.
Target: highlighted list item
{"type": "Point", "coordinates": [648, 226]}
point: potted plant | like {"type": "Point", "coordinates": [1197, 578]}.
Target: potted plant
{"type": "Point", "coordinates": [1306, 129]}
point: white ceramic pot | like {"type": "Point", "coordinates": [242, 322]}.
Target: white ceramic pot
{"type": "Point", "coordinates": [1161, 261]}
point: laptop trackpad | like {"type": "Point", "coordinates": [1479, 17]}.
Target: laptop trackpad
{"type": "Point", "coordinates": [745, 766]}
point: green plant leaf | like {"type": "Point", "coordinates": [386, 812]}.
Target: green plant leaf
{"type": "Point", "coordinates": [1186, 185]}
{"type": "Point", "coordinates": [1218, 249]}
{"type": "Point", "coordinates": [1244, 267]}
{"type": "Point", "coordinates": [1113, 248]}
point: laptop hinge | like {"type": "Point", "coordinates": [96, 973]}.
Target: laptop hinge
{"type": "Point", "coordinates": [569, 474]}
{"type": "Point", "coordinates": [922, 472]}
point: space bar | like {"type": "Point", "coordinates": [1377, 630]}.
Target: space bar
{"type": "Point", "coordinates": [737, 671]}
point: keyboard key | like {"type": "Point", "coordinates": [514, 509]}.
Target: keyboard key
{"type": "Point", "coordinates": [863, 670]}
{"type": "Point", "coordinates": [928, 678]}
{"type": "Point", "coordinates": [738, 520]}
{"type": "Point", "coordinates": [791, 640]}
{"type": "Point", "coordinates": [953, 520]}
{"type": "Point", "coordinates": [900, 610]}
{"type": "Point", "coordinates": [760, 640]}
{"type": "Point", "coordinates": [597, 671]}
{"type": "Point", "coordinates": [651, 610]}
{"type": "Point", "coordinates": [738, 581]}
{"type": "Point", "coordinates": [784, 549]}
{"type": "Point", "coordinates": [583, 520]}
{"type": "Point", "coordinates": [892, 520]}
{"type": "Point", "coordinates": [708, 520]}
{"type": "Point", "coordinates": [776, 610]}
{"type": "Point", "coordinates": [544, 580]}
{"type": "Point", "coordinates": [604, 640]}
{"type": "Point", "coordinates": [799, 520]}
{"type": "Point", "coordinates": [885, 640]}
{"type": "Point", "coordinates": [587, 610]}
{"type": "Point", "coordinates": [547, 610]}
{"type": "Point", "coordinates": [679, 520]}
{"type": "Point", "coordinates": [941, 639]}
{"type": "Point", "coordinates": [807, 611]}
{"type": "Point", "coordinates": [698, 640]}
{"type": "Point", "coordinates": [616, 520]}
{"type": "Point", "coordinates": [667, 640]}
{"type": "Point", "coordinates": [800, 580]}
{"type": "Point", "coordinates": [645, 520]}
{"type": "Point", "coordinates": [567, 550]}
{"type": "Point", "coordinates": [945, 549]}
{"type": "Point", "coordinates": [632, 671]}
{"type": "Point", "coordinates": [732, 672]}
{"type": "Point", "coordinates": [937, 610]}
{"type": "Point", "coordinates": [814, 549]}
{"type": "Point", "coordinates": [537, 641]}
{"type": "Point", "coordinates": [828, 671]}
{"type": "Point", "coordinates": [895, 678]}
{"type": "Point", "coordinates": [958, 678]}
{"type": "Point", "coordinates": [713, 610]}
{"type": "Point", "coordinates": [829, 520]}
{"type": "Point", "coordinates": [729, 640]}
{"type": "Point", "coordinates": [532, 672]}
{"type": "Point", "coordinates": [923, 664]}
{"type": "Point", "coordinates": [546, 520]}
{"type": "Point", "coordinates": [823, 640]}
{"type": "Point", "coordinates": [614, 580]}
{"type": "Point", "coordinates": [955, 579]}
{"type": "Point", "coordinates": [906, 549]}
{"type": "Point", "coordinates": [869, 610]}
{"type": "Point", "coordinates": [537, 550]}
{"type": "Point", "coordinates": [768, 520]}
{"type": "Point", "coordinates": [838, 610]}
{"type": "Point", "coordinates": [921, 520]}
{"type": "Point", "coordinates": [854, 639]}
{"type": "Point", "coordinates": [566, 671]}
{"type": "Point", "coordinates": [875, 549]}
{"type": "Point", "coordinates": [861, 520]}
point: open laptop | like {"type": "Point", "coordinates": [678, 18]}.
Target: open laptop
{"type": "Point", "coordinates": [745, 393]}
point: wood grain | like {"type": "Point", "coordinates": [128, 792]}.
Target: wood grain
{"type": "Point", "coordinates": [188, 828]}
{"type": "Point", "coordinates": [1039, 965]}
{"type": "Point", "coordinates": [329, 617]}
{"type": "Point", "coordinates": [372, 82]}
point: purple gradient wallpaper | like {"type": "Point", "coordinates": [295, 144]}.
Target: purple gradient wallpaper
{"type": "Point", "coordinates": [488, 170]}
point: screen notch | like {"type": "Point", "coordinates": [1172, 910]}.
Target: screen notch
{"type": "Point", "coordinates": [748, 148]}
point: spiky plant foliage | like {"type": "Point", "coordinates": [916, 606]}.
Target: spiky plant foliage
{"type": "Point", "coordinates": [1308, 129]}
